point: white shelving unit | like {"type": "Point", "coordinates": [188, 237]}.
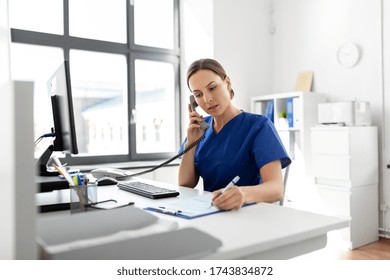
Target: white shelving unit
{"type": "Point", "coordinates": [345, 168]}
{"type": "Point", "coordinates": [296, 138]}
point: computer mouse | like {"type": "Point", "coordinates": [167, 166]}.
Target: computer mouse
{"type": "Point", "coordinates": [106, 181]}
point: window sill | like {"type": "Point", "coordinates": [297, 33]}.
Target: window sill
{"type": "Point", "coordinates": [125, 165]}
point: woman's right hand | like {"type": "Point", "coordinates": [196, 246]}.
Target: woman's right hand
{"type": "Point", "coordinates": [194, 132]}
{"type": "Point", "coordinates": [188, 176]}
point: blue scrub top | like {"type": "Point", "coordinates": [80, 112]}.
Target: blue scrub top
{"type": "Point", "coordinates": [244, 145]}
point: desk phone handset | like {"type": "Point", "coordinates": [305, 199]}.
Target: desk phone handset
{"type": "Point", "coordinates": [109, 172]}
{"type": "Point", "coordinates": [203, 125]}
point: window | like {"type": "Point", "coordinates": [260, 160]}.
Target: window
{"type": "Point", "coordinates": [154, 104]}
{"type": "Point", "coordinates": [124, 62]}
{"type": "Point", "coordinates": [154, 27]}
{"type": "Point", "coordinates": [99, 84]}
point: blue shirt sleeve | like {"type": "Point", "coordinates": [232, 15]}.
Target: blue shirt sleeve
{"type": "Point", "coordinates": [268, 146]}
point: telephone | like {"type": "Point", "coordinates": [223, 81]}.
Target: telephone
{"type": "Point", "coordinates": [109, 172]}
{"type": "Point", "coordinates": [203, 125]}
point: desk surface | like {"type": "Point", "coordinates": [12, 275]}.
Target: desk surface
{"type": "Point", "coordinates": [260, 231]}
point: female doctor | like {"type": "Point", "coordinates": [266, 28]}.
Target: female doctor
{"type": "Point", "coordinates": [236, 144]}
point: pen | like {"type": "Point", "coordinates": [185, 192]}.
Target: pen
{"type": "Point", "coordinates": [229, 186]}
{"type": "Point", "coordinates": [64, 173]}
{"type": "Point", "coordinates": [167, 211]}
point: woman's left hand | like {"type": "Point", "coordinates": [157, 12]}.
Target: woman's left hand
{"type": "Point", "coordinates": [231, 199]}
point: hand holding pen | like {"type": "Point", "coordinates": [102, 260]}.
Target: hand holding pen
{"type": "Point", "coordinates": [229, 186]}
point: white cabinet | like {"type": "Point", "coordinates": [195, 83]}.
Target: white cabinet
{"type": "Point", "coordinates": [295, 137]}
{"type": "Point", "coordinates": [345, 169]}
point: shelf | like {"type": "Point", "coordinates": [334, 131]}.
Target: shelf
{"type": "Point", "coordinates": [301, 114]}
{"type": "Point", "coordinates": [291, 129]}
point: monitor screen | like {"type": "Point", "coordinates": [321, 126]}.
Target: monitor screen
{"type": "Point", "coordinates": [60, 91]}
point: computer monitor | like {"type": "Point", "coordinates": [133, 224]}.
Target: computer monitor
{"type": "Point", "coordinates": [60, 92]}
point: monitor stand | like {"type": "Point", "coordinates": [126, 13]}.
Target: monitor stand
{"type": "Point", "coordinates": [43, 161]}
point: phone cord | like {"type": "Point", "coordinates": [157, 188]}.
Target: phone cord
{"type": "Point", "coordinates": [169, 160]}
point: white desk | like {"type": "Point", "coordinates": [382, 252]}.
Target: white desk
{"type": "Point", "coordinates": [261, 231]}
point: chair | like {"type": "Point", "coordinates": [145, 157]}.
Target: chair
{"type": "Point", "coordinates": [285, 178]}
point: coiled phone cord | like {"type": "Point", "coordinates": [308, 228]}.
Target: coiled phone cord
{"type": "Point", "coordinates": [165, 162]}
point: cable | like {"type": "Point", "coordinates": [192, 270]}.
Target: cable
{"type": "Point", "coordinates": [37, 141]}
{"type": "Point", "coordinates": [51, 134]}
{"type": "Point", "coordinates": [166, 162]}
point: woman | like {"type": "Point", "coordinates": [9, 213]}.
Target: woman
{"type": "Point", "coordinates": [236, 144]}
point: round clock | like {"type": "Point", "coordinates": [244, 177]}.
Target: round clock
{"type": "Point", "coordinates": [348, 55]}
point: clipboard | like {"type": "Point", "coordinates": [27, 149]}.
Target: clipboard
{"type": "Point", "coordinates": [188, 208]}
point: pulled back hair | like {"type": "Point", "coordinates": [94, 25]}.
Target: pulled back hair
{"type": "Point", "coordinates": [207, 64]}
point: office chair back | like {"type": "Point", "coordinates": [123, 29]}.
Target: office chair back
{"type": "Point", "coordinates": [285, 178]}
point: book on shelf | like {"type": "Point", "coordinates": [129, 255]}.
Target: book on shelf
{"type": "Point", "coordinates": [269, 111]}
{"type": "Point", "coordinates": [290, 112]}
{"type": "Point", "coordinates": [297, 114]}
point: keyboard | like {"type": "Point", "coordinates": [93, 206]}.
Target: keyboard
{"type": "Point", "coordinates": [147, 190]}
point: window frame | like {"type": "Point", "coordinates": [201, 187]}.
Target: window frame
{"type": "Point", "coordinates": [132, 52]}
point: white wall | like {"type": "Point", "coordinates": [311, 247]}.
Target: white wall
{"type": "Point", "coordinates": [242, 44]}
{"type": "Point", "coordinates": [196, 41]}
{"type": "Point", "coordinates": [308, 34]}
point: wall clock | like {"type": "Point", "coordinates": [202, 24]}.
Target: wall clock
{"type": "Point", "coordinates": [348, 55]}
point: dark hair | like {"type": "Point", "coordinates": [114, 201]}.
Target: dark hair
{"type": "Point", "coordinates": [207, 64]}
